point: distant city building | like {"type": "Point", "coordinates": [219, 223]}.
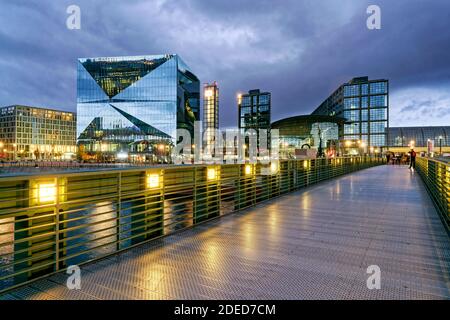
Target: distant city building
{"type": "Point", "coordinates": [210, 110]}
{"type": "Point", "coordinates": [254, 110]}
{"type": "Point", "coordinates": [309, 132]}
{"type": "Point", "coordinates": [403, 138]}
{"type": "Point", "coordinates": [364, 104]}
{"type": "Point", "coordinates": [130, 107]}
{"type": "Point", "coordinates": [36, 133]}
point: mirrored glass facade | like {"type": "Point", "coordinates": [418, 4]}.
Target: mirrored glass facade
{"type": "Point", "coordinates": [308, 131]}
{"type": "Point", "coordinates": [402, 136]}
{"type": "Point", "coordinates": [133, 105]}
{"type": "Point", "coordinates": [364, 104]}
{"type": "Point", "coordinates": [254, 113]}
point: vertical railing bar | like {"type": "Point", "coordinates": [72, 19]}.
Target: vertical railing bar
{"type": "Point", "coordinates": [56, 208]}
{"type": "Point", "coordinates": [119, 207]}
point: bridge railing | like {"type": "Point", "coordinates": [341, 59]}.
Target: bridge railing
{"type": "Point", "coordinates": [49, 222]}
{"type": "Point", "coordinates": [436, 176]}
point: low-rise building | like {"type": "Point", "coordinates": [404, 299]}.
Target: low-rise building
{"type": "Point", "coordinates": [36, 133]}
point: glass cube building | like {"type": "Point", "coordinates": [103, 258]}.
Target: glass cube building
{"type": "Point", "coordinates": [132, 106]}
{"type": "Point", "coordinates": [364, 104]}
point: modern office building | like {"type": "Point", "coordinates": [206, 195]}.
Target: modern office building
{"type": "Point", "coordinates": [36, 133]}
{"type": "Point", "coordinates": [210, 111]}
{"type": "Point", "coordinates": [309, 132]}
{"type": "Point", "coordinates": [401, 139]}
{"type": "Point", "coordinates": [131, 107]}
{"type": "Point", "coordinates": [364, 104]}
{"type": "Point", "coordinates": [254, 110]}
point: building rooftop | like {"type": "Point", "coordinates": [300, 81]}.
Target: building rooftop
{"type": "Point", "coordinates": [33, 107]}
{"type": "Point", "coordinates": [308, 118]}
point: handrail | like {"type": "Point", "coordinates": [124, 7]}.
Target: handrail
{"type": "Point", "coordinates": [50, 221]}
{"type": "Point", "coordinates": [436, 176]}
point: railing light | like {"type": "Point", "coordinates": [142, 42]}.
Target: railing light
{"type": "Point", "coordinates": [153, 181]}
{"type": "Point", "coordinates": [46, 193]}
{"type": "Point", "coordinates": [248, 169]}
{"type": "Point", "coordinates": [211, 174]}
{"type": "Point", "coordinates": [273, 167]}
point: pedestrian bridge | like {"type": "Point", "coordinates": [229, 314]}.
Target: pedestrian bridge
{"type": "Point", "coordinates": [313, 243]}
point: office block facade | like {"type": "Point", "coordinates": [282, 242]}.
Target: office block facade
{"type": "Point", "coordinates": [210, 111]}
{"type": "Point", "coordinates": [132, 106]}
{"type": "Point", "coordinates": [254, 111]}
{"type": "Point", "coordinates": [36, 133]}
{"type": "Point", "coordinates": [364, 104]}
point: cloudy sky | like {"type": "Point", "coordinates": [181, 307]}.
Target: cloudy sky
{"type": "Point", "coordinates": [300, 50]}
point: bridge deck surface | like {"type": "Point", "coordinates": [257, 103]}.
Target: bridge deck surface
{"type": "Point", "coordinates": [311, 244]}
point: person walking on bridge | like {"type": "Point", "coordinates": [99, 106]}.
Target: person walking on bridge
{"type": "Point", "coordinates": [412, 159]}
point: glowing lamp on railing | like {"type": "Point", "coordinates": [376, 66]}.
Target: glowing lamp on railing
{"type": "Point", "coordinates": [305, 164]}
{"type": "Point", "coordinates": [248, 169]}
{"type": "Point", "coordinates": [273, 167]}
{"type": "Point", "coordinates": [153, 181]}
{"type": "Point", "coordinates": [46, 193]}
{"type": "Point", "coordinates": [211, 174]}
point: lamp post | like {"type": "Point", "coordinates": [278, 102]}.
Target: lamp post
{"type": "Point", "coordinates": [321, 137]}
{"type": "Point", "coordinates": [14, 151]}
{"type": "Point", "coordinates": [440, 145]}
{"type": "Point", "coordinates": [161, 152]}
{"type": "Point", "coordinates": [347, 144]}
{"type": "Point", "coordinates": [363, 147]}
{"type": "Point", "coordinates": [360, 146]}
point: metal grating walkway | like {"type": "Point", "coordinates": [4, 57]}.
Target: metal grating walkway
{"type": "Point", "coordinates": [310, 244]}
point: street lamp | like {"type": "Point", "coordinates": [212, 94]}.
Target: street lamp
{"type": "Point", "coordinates": [363, 146]}
{"type": "Point", "coordinates": [14, 146]}
{"type": "Point", "coordinates": [440, 145]}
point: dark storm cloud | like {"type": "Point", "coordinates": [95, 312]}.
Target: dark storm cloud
{"type": "Point", "coordinates": [299, 50]}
